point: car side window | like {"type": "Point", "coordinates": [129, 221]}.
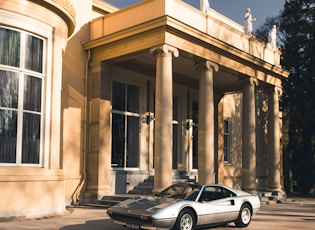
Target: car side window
{"type": "Point", "coordinates": [207, 194]}
{"type": "Point", "coordinates": [211, 193]}
{"type": "Point", "coordinates": [228, 193]}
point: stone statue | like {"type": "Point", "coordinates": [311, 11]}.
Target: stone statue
{"type": "Point", "coordinates": [272, 38]}
{"type": "Point", "coordinates": [205, 6]}
{"type": "Point", "coordinates": [248, 22]}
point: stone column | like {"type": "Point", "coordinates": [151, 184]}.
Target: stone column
{"type": "Point", "coordinates": [163, 133]}
{"type": "Point", "coordinates": [274, 155]}
{"type": "Point", "coordinates": [99, 150]}
{"type": "Point", "coordinates": [219, 138]}
{"type": "Point", "coordinates": [249, 136]}
{"type": "Point", "coordinates": [53, 155]}
{"type": "Point", "coordinates": [206, 168]}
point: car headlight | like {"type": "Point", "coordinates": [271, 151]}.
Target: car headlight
{"type": "Point", "coordinates": [109, 212]}
{"type": "Point", "coordinates": [144, 217]}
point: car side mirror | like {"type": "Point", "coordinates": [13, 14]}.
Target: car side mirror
{"type": "Point", "coordinates": [232, 202]}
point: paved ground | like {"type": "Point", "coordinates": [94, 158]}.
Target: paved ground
{"type": "Point", "coordinates": [298, 214]}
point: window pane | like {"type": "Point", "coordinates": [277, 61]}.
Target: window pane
{"type": "Point", "coordinates": [31, 138]}
{"type": "Point", "coordinates": [9, 86]}
{"type": "Point", "coordinates": [133, 93]}
{"type": "Point", "coordinates": [9, 47]}
{"type": "Point", "coordinates": [34, 54]}
{"type": "Point", "coordinates": [225, 155]}
{"type": "Point", "coordinates": [32, 93]}
{"type": "Point", "coordinates": [226, 141]}
{"type": "Point", "coordinates": [133, 142]}
{"type": "Point", "coordinates": [195, 147]}
{"type": "Point", "coordinates": [195, 110]}
{"type": "Point", "coordinates": [226, 126]}
{"type": "Point", "coordinates": [175, 146]}
{"type": "Point", "coordinates": [226, 144]}
{"type": "Point", "coordinates": [119, 96]}
{"type": "Point", "coordinates": [195, 106]}
{"type": "Point", "coordinates": [8, 130]}
{"type": "Point", "coordinates": [118, 140]}
{"type": "Point", "coordinates": [175, 108]}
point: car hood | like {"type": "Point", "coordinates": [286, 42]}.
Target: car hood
{"type": "Point", "coordinates": [141, 206]}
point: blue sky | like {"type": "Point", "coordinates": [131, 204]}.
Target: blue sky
{"type": "Point", "coordinates": [233, 9]}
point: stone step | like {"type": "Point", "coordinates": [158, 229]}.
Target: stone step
{"type": "Point", "coordinates": [142, 189]}
{"type": "Point", "coordinates": [140, 192]}
{"type": "Point", "coordinates": [149, 179]}
{"type": "Point", "coordinates": [146, 184]}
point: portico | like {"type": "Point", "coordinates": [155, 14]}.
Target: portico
{"type": "Point", "coordinates": [177, 67]}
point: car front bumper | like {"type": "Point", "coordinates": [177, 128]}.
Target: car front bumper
{"type": "Point", "coordinates": [154, 224]}
{"type": "Point", "coordinates": [164, 223]}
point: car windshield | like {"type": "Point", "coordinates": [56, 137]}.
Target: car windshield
{"type": "Point", "coordinates": [193, 194]}
{"type": "Point", "coordinates": [178, 191]}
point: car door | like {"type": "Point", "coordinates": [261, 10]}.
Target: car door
{"type": "Point", "coordinates": [216, 206]}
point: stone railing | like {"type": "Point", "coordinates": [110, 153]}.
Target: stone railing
{"type": "Point", "coordinates": [215, 24]}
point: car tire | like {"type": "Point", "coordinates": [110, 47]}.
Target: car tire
{"type": "Point", "coordinates": [244, 217]}
{"type": "Point", "coordinates": [186, 220]}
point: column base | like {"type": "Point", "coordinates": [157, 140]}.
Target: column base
{"type": "Point", "coordinates": [272, 196]}
{"type": "Point", "coordinates": [97, 192]}
{"type": "Point", "coordinates": [156, 190]}
{"type": "Point", "coordinates": [274, 189]}
{"type": "Point", "coordinates": [250, 190]}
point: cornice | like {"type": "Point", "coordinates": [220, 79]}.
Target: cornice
{"type": "Point", "coordinates": [63, 8]}
{"type": "Point", "coordinates": [103, 7]}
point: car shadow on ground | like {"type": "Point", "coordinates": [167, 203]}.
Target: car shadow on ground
{"type": "Point", "coordinates": [109, 224]}
{"type": "Point", "coordinates": [94, 225]}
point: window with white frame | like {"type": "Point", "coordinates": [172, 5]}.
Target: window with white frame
{"type": "Point", "coordinates": [21, 97]}
{"type": "Point", "coordinates": [125, 125]}
{"type": "Point", "coordinates": [226, 144]}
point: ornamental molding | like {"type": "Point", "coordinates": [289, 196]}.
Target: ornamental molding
{"type": "Point", "coordinates": [68, 6]}
{"type": "Point", "coordinates": [204, 64]}
{"type": "Point", "coordinates": [164, 49]}
{"type": "Point", "coordinates": [63, 8]}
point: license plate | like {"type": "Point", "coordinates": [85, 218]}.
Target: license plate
{"type": "Point", "coordinates": [133, 226]}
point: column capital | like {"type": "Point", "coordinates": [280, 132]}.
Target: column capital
{"type": "Point", "coordinates": [275, 89]}
{"type": "Point", "coordinates": [164, 49]}
{"type": "Point", "coordinates": [249, 82]}
{"type": "Point", "coordinates": [204, 64]}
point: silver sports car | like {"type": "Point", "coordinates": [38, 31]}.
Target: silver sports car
{"type": "Point", "coordinates": [186, 206]}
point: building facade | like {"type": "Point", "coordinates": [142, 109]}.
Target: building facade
{"type": "Point", "coordinates": [95, 99]}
